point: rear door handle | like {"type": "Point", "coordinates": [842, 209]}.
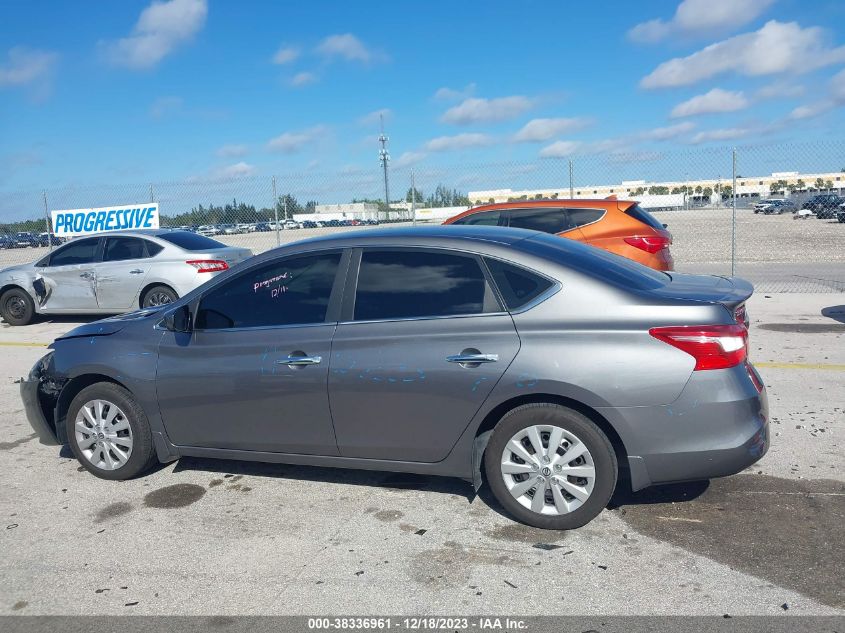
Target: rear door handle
{"type": "Point", "coordinates": [137, 271]}
{"type": "Point", "coordinates": [300, 361]}
{"type": "Point", "coordinates": [473, 359]}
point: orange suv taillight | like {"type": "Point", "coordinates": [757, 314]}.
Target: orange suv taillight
{"type": "Point", "coordinates": [650, 244]}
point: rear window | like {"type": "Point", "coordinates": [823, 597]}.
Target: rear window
{"type": "Point", "coordinates": [595, 262]}
{"type": "Point", "coordinates": [638, 213]}
{"type": "Point", "coordinates": [518, 286]}
{"type": "Point", "coordinates": [190, 241]}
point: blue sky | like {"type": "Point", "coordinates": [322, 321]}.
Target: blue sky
{"type": "Point", "coordinates": [189, 90]}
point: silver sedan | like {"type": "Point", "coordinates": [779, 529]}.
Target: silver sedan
{"type": "Point", "coordinates": [112, 273]}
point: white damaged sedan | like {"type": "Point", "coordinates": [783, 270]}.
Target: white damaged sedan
{"type": "Point", "coordinates": [112, 273]}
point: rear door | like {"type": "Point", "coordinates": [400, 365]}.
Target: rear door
{"type": "Point", "coordinates": [121, 272]}
{"type": "Point", "coordinates": [69, 277]}
{"type": "Point", "coordinates": [552, 220]}
{"type": "Point", "coordinates": [422, 343]}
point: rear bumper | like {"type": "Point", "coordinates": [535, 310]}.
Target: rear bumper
{"type": "Point", "coordinates": [719, 426]}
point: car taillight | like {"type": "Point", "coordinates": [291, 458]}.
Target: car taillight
{"type": "Point", "coordinates": [712, 346]}
{"type": "Point", "coordinates": [650, 244]}
{"type": "Point", "coordinates": [208, 265]}
{"type": "Point", "coordinates": [741, 316]}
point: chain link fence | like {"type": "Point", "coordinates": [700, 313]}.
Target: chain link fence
{"type": "Point", "coordinates": [706, 197]}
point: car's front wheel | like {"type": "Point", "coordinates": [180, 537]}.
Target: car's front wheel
{"type": "Point", "coordinates": [108, 432]}
{"type": "Point", "coordinates": [17, 307]}
{"type": "Point", "coordinates": [550, 466]}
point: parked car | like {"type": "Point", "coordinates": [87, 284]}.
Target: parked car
{"type": "Point", "coordinates": [779, 207]}
{"type": "Point", "coordinates": [207, 230]}
{"type": "Point", "coordinates": [824, 205]}
{"type": "Point", "coordinates": [309, 224]}
{"type": "Point", "coordinates": [436, 350]}
{"type": "Point", "coordinates": [24, 239]}
{"type": "Point", "coordinates": [618, 226]}
{"type": "Point", "coordinates": [112, 273]}
{"type": "Point", "coordinates": [48, 239]}
{"type": "Point", "coordinates": [291, 224]}
{"type": "Point", "coordinates": [761, 206]}
{"type": "Point", "coordinates": [803, 214]}
{"type": "Point", "coordinates": [263, 227]}
{"type": "Point", "coordinates": [840, 213]}
{"type": "Point", "coordinates": [5, 242]}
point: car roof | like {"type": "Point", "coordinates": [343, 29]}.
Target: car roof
{"type": "Point", "coordinates": [136, 233]}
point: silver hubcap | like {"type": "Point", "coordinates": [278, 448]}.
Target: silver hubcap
{"type": "Point", "coordinates": [103, 434]}
{"type": "Point", "coordinates": [548, 470]}
{"type": "Point", "coordinates": [16, 307]}
{"type": "Point", "coordinates": [157, 299]}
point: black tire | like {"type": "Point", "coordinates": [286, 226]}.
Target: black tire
{"type": "Point", "coordinates": [17, 307]}
{"type": "Point", "coordinates": [154, 296]}
{"type": "Point", "coordinates": [142, 456]}
{"type": "Point", "coordinates": [603, 455]}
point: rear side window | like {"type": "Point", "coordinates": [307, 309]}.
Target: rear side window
{"type": "Point", "coordinates": [77, 252]}
{"type": "Point", "coordinates": [190, 241]}
{"type": "Point", "coordinates": [122, 248]}
{"type": "Point", "coordinates": [407, 284]}
{"type": "Point", "coordinates": [518, 286]}
{"type": "Point", "coordinates": [545, 220]}
{"type": "Point", "coordinates": [485, 218]}
{"type": "Point", "coordinates": [638, 213]}
{"type": "Point", "coordinates": [290, 291]}
{"type": "Point", "coordinates": [582, 217]}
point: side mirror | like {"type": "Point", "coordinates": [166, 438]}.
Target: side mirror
{"type": "Point", "coordinates": [178, 320]}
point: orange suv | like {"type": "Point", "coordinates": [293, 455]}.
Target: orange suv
{"type": "Point", "coordinates": [618, 226]}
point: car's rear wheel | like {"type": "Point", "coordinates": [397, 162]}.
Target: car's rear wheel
{"type": "Point", "coordinates": [108, 432]}
{"type": "Point", "coordinates": [158, 296]}
{"type": "Point", "coordinates": [17, 307]}
{"type": "Point", "coordinates": [550, 466]}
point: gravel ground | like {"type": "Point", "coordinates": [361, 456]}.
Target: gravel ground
{"type": "Point", "coordinates": [224, 537]}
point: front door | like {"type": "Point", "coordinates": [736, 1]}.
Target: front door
{"type": "Point", "coordinates": [426, 343]}
{"type": "Point", "coordinates": [69, 277]}
{"type": "Point", "coordinates": [253, 374]}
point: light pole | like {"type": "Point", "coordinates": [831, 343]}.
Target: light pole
{"type": "Point", "coordinates": [384, 157]}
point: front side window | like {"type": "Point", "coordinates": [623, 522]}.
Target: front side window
{"type": "Point", "coordinates": [544, 220]}
{"type": "Point", "coordinates": [412, 284]}
{"type": "Point", "coordinates": [77, 252]}
{"type": "Point", "coordinates": [290, 291]}
{"type": "Point", "coordinates": [122, 248]}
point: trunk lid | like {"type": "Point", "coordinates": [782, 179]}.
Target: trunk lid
{"type": "Point", "coordinates": [731, 292]}
{"type": "Point", "coordinates": [230, 254]}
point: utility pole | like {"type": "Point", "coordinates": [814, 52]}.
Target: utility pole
{"type": "Point", "coordinates": [571, 188]}
{"type": "Point", "coordinates": [276, 212]}
{"type": "Point", "coordinates": [733, 218]}
{"type": "Point", "coordinates": [384, 157]}
{"type": "Point", "coordinates": [47, 221]}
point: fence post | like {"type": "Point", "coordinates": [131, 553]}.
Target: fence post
{"type": "Point", "coordinates": [152, 198]}
{"type": "Point", "coordinates": [733, 215]}
{"type": "Point", "coordinates": [47, 221]}
{"type": "Point", "coordinates": [413, 200]}
{"type": "Point", "coordinates": [571, 187]}
{"type": "Point", "coordinates": [276, 213]}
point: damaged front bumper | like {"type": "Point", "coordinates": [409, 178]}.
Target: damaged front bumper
{"type": "Point", "coordinates": [39, 392]}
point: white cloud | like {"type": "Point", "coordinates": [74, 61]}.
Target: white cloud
{"type": "Point", "coordinates": [780, 90]}
{"type": "Point", "coordinates": [347, 47]}
{"type": "Point", "coordinates": [292, 142]}
{"type": "Point", "coordinates": [374, 117]}
{"type": "Point", "coordinates": [449, 94]}
{"type": "Point", "coordinates": [303, 79]}
{"type": "Point", "coordinates": [777, 47]}
{"type": "Point", "coordinates": [560, 149]}
{"type": "Point", "coordinates": [538, 130]}
{"type": "Point", "coordinates": [717, 100]}
{"type": "Point", "coordinates": [161, 27]}
{"type": "Point", "coordinates": [834, 99]}
{"type": "Point", "coordinates": [409, 158]}
{"type": "Point", "coordinates": [722, 134]}
{"type": "Point", "coordinates": [476, 110]}
{"type": "Point", "coordinates": [165, 106]}
{"type": "Point", "coordinates": [700, 16]}
{"type": "Point", "coordinates": [286, 54]}
{"type": "Point", "coordinates": [457, 142]}
{"type": "Point", "coordinates": [232, 151]}
{"type": "Point", "coordinates": [666, 133]}
{"type": "Point", "coordinates": [26, 66]}
{"type": "Point", "coordinates": [238, 170]}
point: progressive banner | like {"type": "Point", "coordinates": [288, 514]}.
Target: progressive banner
{"type": "Point", "coordinates": [72, 222]}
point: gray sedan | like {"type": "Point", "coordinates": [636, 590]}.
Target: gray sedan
{"type": "Point", "coordinates": [555, 369]}
{"type": "Point", "coordinates": [113, 272]}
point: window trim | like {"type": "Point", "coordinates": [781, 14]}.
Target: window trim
{"type": "Point", "coordinates": [347, 316]}
{"type": "Point", "coordinates": [508, 213]}
{"type": "Point", "coordinates": [332, 310]}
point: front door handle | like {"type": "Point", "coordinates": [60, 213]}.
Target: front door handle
{"type": "Point", "coordinates": [137, 271]}
{"type": "Point", "coordinates": [472, 359]}
{"type": "Point", "coordinates": [300, 361]}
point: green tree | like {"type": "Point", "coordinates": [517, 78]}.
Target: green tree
{"type": "Point", "coordinates": [819, 183]}
{"type": "Point", "coordinates": [801, 184]}
{"type": "Point", "coordinates": [414, 195]}
{"type": "Point", "coordinates": [828, 184]}
{"type": "Point", "coordinates": [707, 192]}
